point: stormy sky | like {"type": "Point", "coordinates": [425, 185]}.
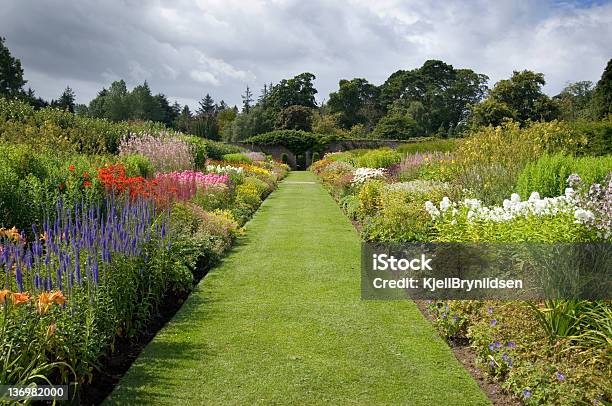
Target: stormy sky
{"type": "Point", "coordinates": [186, 49]}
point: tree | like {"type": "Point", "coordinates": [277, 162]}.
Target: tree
{"type": "Point", "coordinates": [522, 93]}
{"type": "Point", "coordinates": [34, 101]}
{"type": "Point", "coordinates": [295, 118]}
{"type": "Point", "coordinates": [116, 103]}
{"type": "Point", "coordinates": [183, 120]}
{"type": "Point", "coordinates": [207, 106]}
{"type": "Point", "coordinates": [490, 112]}
{"type": "Point", "coordinates": [356, 102]}
{"type": "Point", "coordinates": [396, 125]}
{"type": "Point", "coordinates": [66, 101]}
{"type": "Point", "coordinates": [602, 96]}
{"type": "Point", "coordinates": [205, 126]}
{"type": "Point", "coordinates": [575, 100]}
{"type": "Point", "coordinates": [247, 100]}
{"type": "Point", "coordinates": [257, 121]}
{"type": "Point", "coordinates": [296, 91]}
{"type": "Point", "coordinates": [444, 92]}
{"type": "Point", "coordinates": [11, 73]}
{"type": "Point", "coordinates": [225, 118]}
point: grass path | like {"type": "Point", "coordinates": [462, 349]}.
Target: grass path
{"type": "Point", "coordinates": [280, 321]}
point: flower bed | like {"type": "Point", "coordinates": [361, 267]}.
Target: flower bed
{"type": "Point", "coordinates": [553, 352]}
{"type": "Point", "coordinates": [107, 244]}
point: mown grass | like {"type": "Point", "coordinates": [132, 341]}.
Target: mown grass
{"type": "Point", "coordinates": [280, 321]}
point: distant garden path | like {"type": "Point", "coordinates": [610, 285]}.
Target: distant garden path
{"type": "Point", "coordinates": [281, 322]}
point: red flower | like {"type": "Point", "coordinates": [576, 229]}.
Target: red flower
{"type": "Point", "coordinates": [62, 186]}
{"type": "Point", "coordinates": [86, 175]}
{"type": "Point", "coordinates": [71, 168]}
{"type": "Point", "coordinates": [87, 183]}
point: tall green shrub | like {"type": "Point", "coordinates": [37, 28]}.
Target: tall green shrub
{"type": "Point", "coordinates": [548, 175]}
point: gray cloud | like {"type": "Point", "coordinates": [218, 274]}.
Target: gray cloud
{"type": "Point", "coordinates": [188, 48]}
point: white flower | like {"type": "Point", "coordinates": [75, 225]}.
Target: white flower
{"type": "Point", "coordinates": [515, 198]}
{"type": "Point", "coordinates": [363, 174]}
{"type": "Point", "coordinates": [534, 196]}
{"type": "Point", "coordinates": [445, 204]}
{"type": "Point", "coordinates": [569, 193]}
{"type": "Point", "coordinates": [432, 209]}
{"type": "Point", "coordinates": [583, 216]}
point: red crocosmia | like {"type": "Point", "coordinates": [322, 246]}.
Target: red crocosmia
{"type": "Point", "coordinates": [86, 175]}
{"type": "Point", "coordinates": [71, 168]}
{"type": "Point", "coordinates": [87, 183]}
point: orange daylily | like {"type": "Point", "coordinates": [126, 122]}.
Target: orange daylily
{"type": "Point", "coordinates": [58, 297]}
{"type": "Point", "coordinates": [12, 233]}
{"type": "Point", "coordinates": [3, 295]}
{"type": "Point", "coordinates": [44, 301]}
{"type": "Point", "coordinates": [20, 298]}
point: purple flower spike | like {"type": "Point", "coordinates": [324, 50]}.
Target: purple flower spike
{"type": "Point", "coordinates": [560, 376]}
{"type": "Point", "coordinates": [526, 393]}
{"type": "Point", "coordinates": [494, 322]}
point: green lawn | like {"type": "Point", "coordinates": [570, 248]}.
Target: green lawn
{"type": "Point", "coordinates": [280, 321]}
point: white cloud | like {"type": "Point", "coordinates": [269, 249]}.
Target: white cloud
{"type": "Point", "coordinates": [204, 77]}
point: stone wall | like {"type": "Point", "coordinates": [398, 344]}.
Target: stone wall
{"type": "Point", "coordinates": [277, 151]}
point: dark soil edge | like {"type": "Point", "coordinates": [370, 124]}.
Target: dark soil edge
{"type": "Point", "coordinates": [467, 357]}
{"type": "Point", "coordinates": [113, 366]}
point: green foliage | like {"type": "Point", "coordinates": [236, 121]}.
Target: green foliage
{"type": "Point", "coordinates": [216, 150]}
{"type": "Point", "coordinates": [355, 102]}
{"type": "Point", "coordinates": [205, 127]}
{"type": "Point", "coordinates": [548, 175]}
{"type": "Point", "coordinates": [489, 161]}
{"type": "Point", "coordinates": [575, 101]}
{"type": "Point", "coordinates": [396, 125]}
{"type": "Point", "coordinates": [298, 90]}
{"type": "Point", "coordinates": [237, 158]}
{"type": "Point", "coordinates": [11, 73]}
{"type": "Point", "coordinates": [401, 217]}
{"type": "Point", "coordinates": [376, 158]}
{"type": "Point", "coordinates": [597, 136]}
{"type": "Point", "coordinates": [31, 181]}
{"type": "Point", "coordinates": [369, 198]}
{"type": "Point", "coordinates": [137, 165]}
{"type": "Point", "coordinates": [296, 141]}
{"type": "Point", "coordinates": [519, 98]}
{"type": "Point", "coordinates": [119, 104]}
{"type": "Point", "coordinates": [199, 148]}
{"type": "Point", "coordinates": [62, 130]}
{"type": "Point", "coordinates": [257, 121]}
{"type": "Point", "coordinates": [433, 145]}
{"type": "Point", "coordinates": [436, 95]}
{"type": "Point", "coordinates": [295, 117]}
{"type": "Point", "coordinates": [602, 95]}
